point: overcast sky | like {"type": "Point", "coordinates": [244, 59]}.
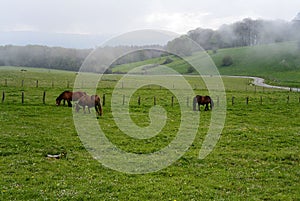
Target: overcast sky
{"type": "Point", "coordinates": [112, 17]}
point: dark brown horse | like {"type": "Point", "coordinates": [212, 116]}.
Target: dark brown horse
{"type": "Point", "coordinates": [203, 100]}
{"type": "Point", "coordinates": [90, 101]}
{"type": "Point", "coordinates": [69, 96]}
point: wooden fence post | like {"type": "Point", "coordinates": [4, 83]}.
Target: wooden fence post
{"type": "Point", "coordinates": [103, 100]}
{"type": "Point", "coordinates": [44, 97]}
{"type": "Point", "coordinates": [37, 83]}
{"type": "Point", "coordinates": [187, 101]}
{"type": "Point", "coordinates": [288, 99]}
{"type": "Point", "coordinates": [22, 97]}
{"type": "Point", "coordinates": [172, 101]}
{"type": "Point", "coordinates": [123, 99]}
{"type": "Point", "coordinates": [232, 100]}
{"type": "Point", "coordinates": [247, 100]}
{"type": "Point", "coordinates": [154, 100]}
{"type": "Point", "coordinates": [3, 96]}
{"type": "Point", "coordinates": [139, 100]}
{"type": "Point", "coordinates": [261, 100]}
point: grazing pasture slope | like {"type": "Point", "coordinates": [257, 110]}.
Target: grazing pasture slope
{"type": "Point", "coordinates": [257, 156]}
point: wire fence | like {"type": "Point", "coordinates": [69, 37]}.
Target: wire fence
{"type": "Point", "coordinates": [42, 97]}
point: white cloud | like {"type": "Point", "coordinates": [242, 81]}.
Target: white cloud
{"type": "Point", "coordinates": [178, 22]}
{"type": "Point", "coordinates": [20, 27]}
{"type": "Point", "coordinates": [112, 16]}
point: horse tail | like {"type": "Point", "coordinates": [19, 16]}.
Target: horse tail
{"type": "Point", "coordinates": [211, 103]}
{"type": "Point", "coordinates": [194, 103]}
{"type": "Point", "coordinates": [98, 106]}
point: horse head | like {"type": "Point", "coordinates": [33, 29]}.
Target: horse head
{"type": "Point", "coordinates": [58, 102]}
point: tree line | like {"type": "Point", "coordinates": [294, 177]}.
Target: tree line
{"type": "Point", "coordinates": [247, 32]}
{"type": "Point", "coordinates": [42, 57]}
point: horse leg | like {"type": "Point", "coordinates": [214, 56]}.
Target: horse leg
{"type": "Point", "coordinates": [77, 108]}
{"type": "Point", "coordinates": [69, 103]}
{"type": "Point", "coordinates": [206, 107]}
{"type": "Point", "coordinates": [64, 102]}
{"type": "Point", "coordinates": [198, 107]}
{"type": "Point", "coordinates": [83, 109]}
{"type": "Point", "coordinates": [89, 109]}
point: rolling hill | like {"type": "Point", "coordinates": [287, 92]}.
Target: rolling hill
{"type": "Point", "coordinates": [278, 63]}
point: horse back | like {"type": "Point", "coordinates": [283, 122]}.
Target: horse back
{"type": "Point", "coordinates": [207, 98]}
{"type": "Point", "coordinates": [77, 95]}
{"type": "Point", "coordinates": [89, 100]}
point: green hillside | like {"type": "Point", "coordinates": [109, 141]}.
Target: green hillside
{"type": "Point", "coordinates": [278, 63]}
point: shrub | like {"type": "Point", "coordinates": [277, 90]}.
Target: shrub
{"type": "Point", "coordinates": [227, 61]}
{"type": "Point", "coordinates": [191, 69]}
{"type": "Point", "coordinates": [167, 61]}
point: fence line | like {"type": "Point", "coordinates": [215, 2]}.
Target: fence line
{"type": "Point", "coordinates": [37, 83]}
{"type": "Point", "coordinates": [234, 100]}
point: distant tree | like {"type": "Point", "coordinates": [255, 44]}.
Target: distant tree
{"type": "Point", "coordinates": [227, 61]}
{"type": "Point", "coordinates": [167, 61]}
{"type": "Point", "coordinates": [206, 38]}
{"type": "Point", "coordinates": [183, 46]}
{"type": "Point", "coordinates": [191, 69]}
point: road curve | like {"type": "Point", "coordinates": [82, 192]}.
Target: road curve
{"type": "Point", "coordinates": [261, 82]}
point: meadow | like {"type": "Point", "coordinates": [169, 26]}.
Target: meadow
{"type": "Point", "coordinates": [256, 158]}
{"type": "Point", "coordinates": [277, 63]}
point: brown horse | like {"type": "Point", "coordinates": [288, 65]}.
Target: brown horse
{"type": "Point", "coordinates": [90, 101]}
{"type": "Point", "coordinates": [69, 96]}
{"type": "Point", "coordinates": [203, 100]}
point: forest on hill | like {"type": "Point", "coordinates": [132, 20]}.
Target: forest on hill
{"type": "Point", "coordinates": [247, 32]}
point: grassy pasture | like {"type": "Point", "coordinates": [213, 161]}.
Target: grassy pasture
{"type": "Point", "coordinates": [256, 158]}
{"type": "Point", "coordinates": [278, 63]}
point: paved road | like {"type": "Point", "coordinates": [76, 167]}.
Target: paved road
{"type": "Point", "coordinates": [261, 82]}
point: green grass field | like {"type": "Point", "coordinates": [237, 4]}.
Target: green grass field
{"type": "Point", "coordinates": [278, 63]}
{"type": "Point", "coordinates": [256, 158]}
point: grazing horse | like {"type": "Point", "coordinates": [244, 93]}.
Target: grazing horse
{"type": "Point", "coordinates": [69, 96]}
{"type": "Point", "coordinates": [90, 101]}
{"type": "Point", "coordinates": [203, 100]}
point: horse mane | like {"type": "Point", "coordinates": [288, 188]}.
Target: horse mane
{"type": "Point", "coordinates": [60, 97]}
